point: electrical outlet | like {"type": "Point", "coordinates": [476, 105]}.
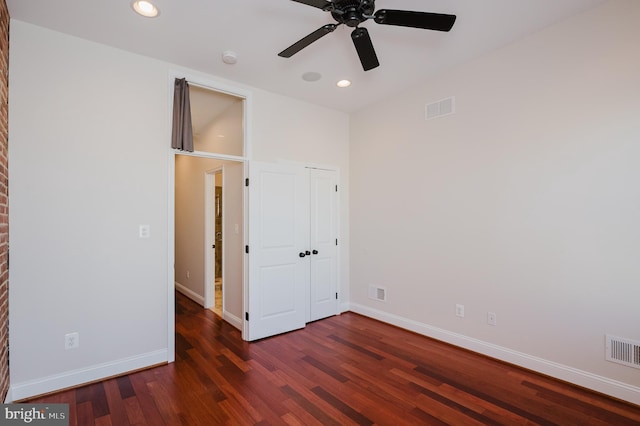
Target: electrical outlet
{"type": "Point", "coordinates": [492, 318]}
{"type": "Point", "coordinates": [460, 311]}
{"type": "Point", "coordinates": [71, 341]}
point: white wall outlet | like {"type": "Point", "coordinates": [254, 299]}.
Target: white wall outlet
{"type": "Point", "coordinates": [492, 318]}
{"type": "Point", "coordinates": [71, 341]}
{"type": "Point", "coordinates": [460, 311]}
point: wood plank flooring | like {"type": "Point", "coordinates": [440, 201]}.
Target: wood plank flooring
{"type": "Point", "coordinates": [343, 370]}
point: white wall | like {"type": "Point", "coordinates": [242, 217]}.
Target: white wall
{"type": "Point", "coordinates": [524, 203]}
{"type": "Point", "coordinates": [223, 135]}
{"type": "Point", "coordinates": [89, 162]}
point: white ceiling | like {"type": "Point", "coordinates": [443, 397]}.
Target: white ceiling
{"type": "Point", "coordinates": [194, 33]}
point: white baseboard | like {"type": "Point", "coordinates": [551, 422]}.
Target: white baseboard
{"type": "Point", "coordinates": [190, 294]}
{"type": "Point", "coordinates": [232, 319]}
{"type": "Point", "coordinates": [28, 389]}
{"type": "Point", "coordinates": [578, 377]}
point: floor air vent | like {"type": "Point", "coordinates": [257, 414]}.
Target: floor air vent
{"type": "Point", "coordinates": [623, 351]}
{"type": "Point", "coordinates": [378, 293]}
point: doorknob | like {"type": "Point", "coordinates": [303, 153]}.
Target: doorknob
{"type": "Point", "coordinates": [315, 252]}
{"type": "Point", "coordinates": [307, 252]}
{"type": "Point", "coordinates": [302, 254]}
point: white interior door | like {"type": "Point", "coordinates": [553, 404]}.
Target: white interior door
{"type": "Point", "coordinates": [323, 233]}
{"type": "Point", "coordinates": [278, 241]}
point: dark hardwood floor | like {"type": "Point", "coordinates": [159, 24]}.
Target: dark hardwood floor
{"type": "Point", "coordinates": [343, 370]}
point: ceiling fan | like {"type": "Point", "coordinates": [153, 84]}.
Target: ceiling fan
{"type": "Point", "coordinates": [354, 12]}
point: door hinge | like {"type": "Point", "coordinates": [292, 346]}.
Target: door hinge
{"type": "Point", "coordinates": [336, 241]}
{"type": "Point", "coordinates": [246, 316]}
{"type": "Point", "coordinates": [246, 182]}
{"type": "Point", "coordinates": [336, 188]}
{"type": "Point", "coordinates": [246, 249]}
{"type": "Point", "coordinates": [336, 296]}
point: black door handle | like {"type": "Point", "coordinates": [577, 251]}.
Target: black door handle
{"type": "Point", "coordinates": [315, 252]}
{"type": "Point", "coordinates": [307, 252]}
{"type": "Point", "coordinates": [302, 254]}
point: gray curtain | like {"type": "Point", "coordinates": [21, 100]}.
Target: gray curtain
{"type": "Point", "coordinates": [182, 133]}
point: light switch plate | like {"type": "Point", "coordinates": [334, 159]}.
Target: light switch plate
{"type": "Point", "coordinates": [145, 231]}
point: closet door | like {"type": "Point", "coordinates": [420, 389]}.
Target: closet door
{"type": "Point", "coordinates": [323, 301]}
{"type": "Point", "coordinates": [278, 284]}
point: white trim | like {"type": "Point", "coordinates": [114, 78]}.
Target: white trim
{"type": "Point", "coordinates": [578, 377]}
{"type": "Point", "coordinates": [232, 319]}
{"type": "Point", "coordinates": [245, 257]}
{"type": "Point", "coordinates": [203, 154]}
{"type": "Point", "coordinates": [190, 294]}
{"type": "Point", "coordinates": [82, 376]}
{"type": "Point", "coordinates": [171, 255]}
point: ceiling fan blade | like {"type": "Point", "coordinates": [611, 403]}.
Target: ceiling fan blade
{"type": "Point", "coordinates": [306, 41]}
{"type": "Point", "coordinates": [320, 4]}
{"type": "Point", "coordinates": [364, 47]}
{"type": "Point", "coordinates": [406, 18]}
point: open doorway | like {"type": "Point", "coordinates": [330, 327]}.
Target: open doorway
{"type": "Point", "coordinates": [209, 205]}
{"type": "Point", "coordinates": [217, 243]}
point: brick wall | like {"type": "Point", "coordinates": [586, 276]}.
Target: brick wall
{"type": "Point", "coordinates": [4, 200]}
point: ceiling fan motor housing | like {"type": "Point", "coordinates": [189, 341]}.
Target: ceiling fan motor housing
{"type": "Point", "coordinates": [352, 12]}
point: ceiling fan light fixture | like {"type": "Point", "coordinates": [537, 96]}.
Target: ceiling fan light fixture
{"type": "Point", "coordinates": [352, 13]}
{"type": "Point", "coordinates": [343, 83]}
{"type": "Point", "coordinates": [145, 8]}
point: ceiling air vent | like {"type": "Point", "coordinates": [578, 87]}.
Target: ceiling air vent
{"type": "Point", "coordinates": [623, 351]}
{"type": "Point", "coordinates": [378, 293]}
{"type": "Point", "coordinates": [440, 108]}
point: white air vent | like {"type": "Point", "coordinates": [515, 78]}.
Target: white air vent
{"type": "Point", "coordinates": [623, 351]}
{"type": "Point", "coordinates": [440, 108]}
{"type": "Point", "coordinates": [378, 293]}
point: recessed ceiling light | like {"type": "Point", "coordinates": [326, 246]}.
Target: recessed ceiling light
{"type": "Point", "coordinates": [145, 8]}
{"type": "Point", "coordinates": [343, 83]}
{"type": "Point", "coordinates": [311, 76]}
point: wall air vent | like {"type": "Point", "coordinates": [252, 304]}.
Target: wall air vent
{"type": "Point", "coordinates": [378, 293]}
{"type": "Point", "coordinates": [623, 351]}
{"type": "Point", "coordinates": [440, 108]}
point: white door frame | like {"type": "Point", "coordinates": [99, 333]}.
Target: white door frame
{"type": "Point", "coordinates": [247, 95]}
{"type": "Point", "coordinates": [209, 239]}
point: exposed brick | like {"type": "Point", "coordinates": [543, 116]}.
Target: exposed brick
{"type": "Point", "coordinates": [4, 199]}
